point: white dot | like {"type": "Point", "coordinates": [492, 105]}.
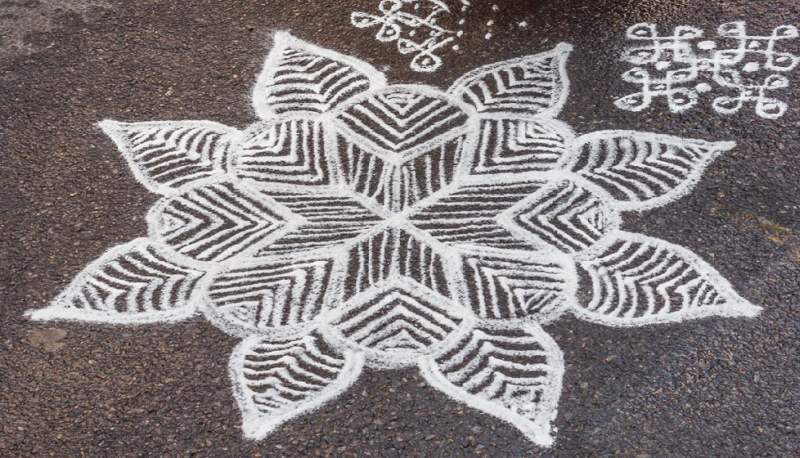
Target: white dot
{"type": "Point", "coordinates": [460, 33]}
{"type": "Point", "coordinates": [663, 65]}
{"type": "Point", "coordinates": [495, 8]}
{"type": "Point", "coordinates": [456, 47]}
{"type": "Point", "coordinates": [523, 24]}
{"type": "Point", "coordinates": [751, 67]}
{"type": "Point", "coordinates": [703, 87]}
{"type": "Point", "coordinates": [490, 23]}
{"type": "Point", "coordinates": [462, 21]}
{"type": "Point", "coordinates": [488, 36]}
{"type": "Point", "coordinates": [708, 44]}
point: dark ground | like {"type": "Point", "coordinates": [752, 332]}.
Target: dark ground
{"type": "Point", "coordinates": [715, 387]}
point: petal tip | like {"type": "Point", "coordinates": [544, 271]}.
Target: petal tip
{"type": "Point", "coordinates": [563, 48]}
{"type": "Point", "coordinates": [746, 310]}
{"type": "Point", "coordinates": [109, 125]}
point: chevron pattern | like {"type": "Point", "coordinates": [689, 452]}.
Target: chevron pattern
{"type": "Point", "coordinates": [168, 155]}
{"type": "Point", "coordinates": [330, 218]}
{"type": "Point", "coordinates": [133, 282]}
{"type": "Point", "coordinates": [397, 187]}
{"type": "Point", "coordinates": [503, 286]}
{"type": "Point", "coordinates": [303, 81]}
{"type": "Point", "coordinates": [638, 167]}
{"type": "Point", "coordinates": [392, 254]}
{"type": "Point", "coordinates": [508, 146]}
{"type": "Point", "coordinates": [287, 152]}
{"type": "Point", "coordinates": [563, 215]}
{"type": "Point", "coordinates": [398, 120]}
{"type": "Point", "coordinates": [640, 280]}
{"type": "Point", "coordinates": [271, 292]}
{"type": "Point", "coordinates": [521, 87]}
{"type": "Point", "coordinates": [469, 215]}
{"type": "Point", "coordinates": [215, 222]}
{"type": "Point", "coordinates": [396, 319]}
{"type": "Point", "coordinates": [276, 380]}
{"type": "Point", "coordinates": [512, 371]}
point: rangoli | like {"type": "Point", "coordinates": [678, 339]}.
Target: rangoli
{"type": "Point", "coordinates": [360, 224]}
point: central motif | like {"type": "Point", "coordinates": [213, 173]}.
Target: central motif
{"type": "Point", "coordinates": [365, 224]}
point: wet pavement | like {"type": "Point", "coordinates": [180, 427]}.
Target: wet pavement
{"type": "Point", "coordinates": [717, 386]}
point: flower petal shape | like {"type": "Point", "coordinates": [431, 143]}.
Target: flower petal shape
{"type": "Point", "coordinates": [135, 283]}
{"type": "Point", "coordinates": [520, 145]}
{"type": "Point", "coordinates": [272, 296]}
{"type": "Point", "coordinates": [643, 170]}
{"type": "Point", "coordinates": [299, 77]}
{"type": "Point", "coordinates": [277, 380]}
{"type": "Point", "coordinates": [168, 155]}
{"type": "Point", "coordinates": [218, 221]}
{"type": "Point", "coordinates": [566, 213]}
{"type": "Point", "coordinates": [641, 280]}
{"type": "Point", "coordinates": [401, 144]}
{"type": "Point", "coordinates": [510, 370]}
{"type": "Point", "coordinates": [513, 284]}
{"type": "Point", "coordinates": [523, 87]}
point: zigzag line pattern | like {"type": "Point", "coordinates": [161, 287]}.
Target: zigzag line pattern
{"type": "Point", "coordinates": [330, 218]}
{"type": "Point", "coordinates": [271, 292]}
{"type": "Point", "coordinates": [468, 215]}
{"type": "Point", "coordinates": [303, 81]}
{"type": "Point", "coordinates": [396, 319]}
{"type": "Point", "coordinates": [390, 254]}
{"type": "Point", "coordinates": [215, 222]}
{"type": "Point", "coordinates": [132, 279]}
{"type": "Point", "coordinates": [172, 154]}
{"type": "Point", "coordinates": [398, 120]}
{"type": "Point", "coordinates": [397, 187]}
{"type": "Point", "coordinates": [507, 367]}
{"type": "Point", "coordinates": [634, 281]}
{"type": "Point", "coordinates": [291, 152]}
{"type": "Point", "coordinates": [564, 215]}
{"type": "Point", "coordinates": [508, 145]}
{"type": "Point", "coordinates": [637, 167]}
{"type": "Point", "coordinates": [502, 287]}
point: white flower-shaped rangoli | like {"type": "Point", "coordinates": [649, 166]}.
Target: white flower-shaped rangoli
{"type": "Point", "coordinates": [365, 224]}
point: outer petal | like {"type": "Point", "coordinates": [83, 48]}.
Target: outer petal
{"type": "Point", "coordinates": [523, 87]}
{"type": "Point", "coordinates": [641, 280]}
{"type": "Point", "coordinates": [275, 381]}
{"type": "Point", "coordinates": [512, 371]}
{"type": "Point", "coordinates": [299, 77]}
{"type": "Point", "coordinates": [134, 283]}
{"type": "Point", "coordinates": [168, 155]}
{"type": "Point", "coordinates": [643, 170]}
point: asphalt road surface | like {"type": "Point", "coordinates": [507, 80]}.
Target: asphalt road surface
{"type": "Point", "coordinates": [710, 387]}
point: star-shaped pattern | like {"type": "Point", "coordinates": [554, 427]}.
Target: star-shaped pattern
{"type": "Point", "coordinates": [360, 224]}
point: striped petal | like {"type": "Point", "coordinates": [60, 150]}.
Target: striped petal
{"type": "Point", "coordinates": [166, 156]}
{"type": "Point", "coordinates": [135, 283]}
{"type": "Point", "coordinates": [511, 371]}
{"type": "Point", "coordinates": [277, 380]}
{"type": "Point", "coordinates": [299, 77]}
